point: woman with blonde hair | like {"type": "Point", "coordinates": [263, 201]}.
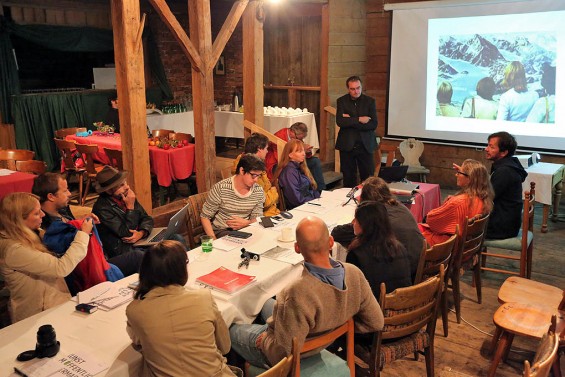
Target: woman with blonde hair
{"type": "Point", "coordinates": [33, 275]}
{"type": "Point", "coordinates": [515, 104]}
{"type": "Point", "coordinates": [475, 197]}
{"type": "Point", "coordinates": [294, 177]}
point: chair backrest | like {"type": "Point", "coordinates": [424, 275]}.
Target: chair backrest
{"type": "Point", "coordinates": [390, 151]}
{"type": "Point", "coordinates": [161, 133]}
{"type": "Point", "coordinates": [328, 338]}
{"type": "Point", "coordinates": [434, 257]}
{"type": "Point", "coordinates": [470, 241]}
{"type": "Point", "coordinates": [282, 203]}
{"type": "Point", "coordinates": [528, 214]}
{"type": "Point", "coordinates": [8, 157]}
{"type": "Point", "coordinates": [66, 149]}
{"type": "Point", "coordinates": [115, 156]}
{"type": "Point", "coordinates": [194, 224]}
{"type": "Point", "coordinates": [411, 150]}
{"type": "Point", "coordinates": [31, 166]}
{"type": "Point", "coordinates": [545, 354]}
{"type": "Point", "coordinates": [63, 132]}
{"type": "Point", "coordinates": [181, 136]}
{"type": "Point", "coordinates": [284, 368]}
{"type": "Point", "coordinates": [226, 172]}
{"type": "Point", "coordinates": [87, 152]}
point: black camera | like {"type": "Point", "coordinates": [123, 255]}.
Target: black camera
{"type": "Point", "coordinates": [46, 346]}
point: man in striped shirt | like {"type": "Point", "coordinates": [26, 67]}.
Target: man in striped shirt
{"type": "Point", "coordinates": [235, 202]}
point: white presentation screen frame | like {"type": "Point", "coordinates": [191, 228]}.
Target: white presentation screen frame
{"type": "Point", "coordinates": [420, 34]}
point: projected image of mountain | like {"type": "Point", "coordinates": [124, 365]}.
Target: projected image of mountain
{"type": "Point", "coordinates": [465, 59]}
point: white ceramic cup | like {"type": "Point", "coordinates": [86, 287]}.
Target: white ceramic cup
{"type": "Point", "coordinates": [287, 234]}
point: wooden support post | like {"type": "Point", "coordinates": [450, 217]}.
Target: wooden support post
{"type": "Point", "coordinates": [253, 94]}
{"type": "Point", "coordinates": [324, 99]}
{"type": "Point", "coordinates": [203, 94]}
{"type": "Point", "coordinates": [131, 93]}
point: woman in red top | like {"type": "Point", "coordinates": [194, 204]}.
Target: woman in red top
{"type": "Point", "coordinates": [474, 198]}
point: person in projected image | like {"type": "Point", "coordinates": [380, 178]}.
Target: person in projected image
{"type": "Point", "coordinates": [444, 106]}
{"type": "Point", "coordinates": [481, 106]}
{"type": "Point", "coordinates": [544, 108]}
{"type": "Point", "coordinates": [515, 104]}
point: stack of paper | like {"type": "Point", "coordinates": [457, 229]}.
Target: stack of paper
{"type": "Point", "coordinates": [106, 295]}
{"type": "Point", "coordinates": [78, 363]}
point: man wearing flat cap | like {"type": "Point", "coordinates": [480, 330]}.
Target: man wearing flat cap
{"type": "Point", "coordinates": [123, 221]}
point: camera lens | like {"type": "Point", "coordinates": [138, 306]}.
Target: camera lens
{"type": "Point", "coordinates": [47, 345]}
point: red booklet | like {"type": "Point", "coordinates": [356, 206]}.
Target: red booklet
{"type": "Point", "coordinates": [225, 280]}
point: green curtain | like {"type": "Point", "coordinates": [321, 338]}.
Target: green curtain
{"type": "Point", "coordinates": [9, 80]}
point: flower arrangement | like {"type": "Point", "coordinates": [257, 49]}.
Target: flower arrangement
{"type": "Point", "coordinates": [104, 128]}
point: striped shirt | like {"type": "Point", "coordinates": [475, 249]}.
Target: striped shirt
{"type": "Point", "coordinates": [224, 201]}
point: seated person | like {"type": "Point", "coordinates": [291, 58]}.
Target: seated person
{"type": "Point", "coordinates": [172, 342]}
{"type": "Point", "coordinates": [235, 202]}
{"type": "Point", "coordinates": [294, 177]}
{"type": "Point", "coordinates": [32, 274]}
{"type": "Point", "coordinates": [123, 221]}
{"type": "Point", "coordinates": [112, 116]}
{"type": "Point", "coordinates": [376, 251]}
{"type": "Point", "coordinates": [297, 131]}
{"type": "Point", "coordinates": [257, 144]}
{"type": "Point", "coordinates": [326, 295]}
{"type": "Point", "coordinates": [402, 222]}
{"type": "Point", "coordinates": [474, 198]}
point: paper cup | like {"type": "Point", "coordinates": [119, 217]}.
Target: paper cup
{"type": "Point", "coordinates": [287, 234]}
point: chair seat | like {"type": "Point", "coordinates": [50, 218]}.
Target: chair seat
{"type": "Point", "coordinates": [417, 170]}
{"type": "Point", "coordinates": [404, 346]}
{"type": "Point", "coordinates": [323, 364]}
{"type": "Point", "coordinates": [514, 243]}
{"type": "Point", "coordinates": [517, 289]}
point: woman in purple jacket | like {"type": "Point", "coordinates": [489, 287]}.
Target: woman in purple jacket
{"type": "Point", "coordinates": [294, 177]}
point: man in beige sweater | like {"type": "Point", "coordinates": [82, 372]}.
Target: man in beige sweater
{"type": "Point", "coordinates": [326, 295]}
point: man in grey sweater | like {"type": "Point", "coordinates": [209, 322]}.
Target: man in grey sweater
{"type": "Point", "coordinates": [326, 295]}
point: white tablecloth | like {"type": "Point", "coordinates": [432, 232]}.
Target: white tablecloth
{"type": "Point", "coordinates": [546, 176]}
{"type": "Point", "coordinates": [230, 124]}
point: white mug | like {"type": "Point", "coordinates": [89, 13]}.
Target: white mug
{"type": "Point", "coordinates": [287, 234]}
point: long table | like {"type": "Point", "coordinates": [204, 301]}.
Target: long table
{"type": "Point", "coordinates": [549, 182]}
{"type": "Point", "coordinates": [230, 124]}
{"type": "Point", "coordinates": [14, 181]}
{"type": "Point", "coordinates": [167, 165]}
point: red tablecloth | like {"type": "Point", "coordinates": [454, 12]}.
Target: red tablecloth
{"type": "Point", "coordinates": [167, 165]}
{"type": "Point", "coordinates": [15, 182]}
{"type": "Point", "coordinates": [428, 199]}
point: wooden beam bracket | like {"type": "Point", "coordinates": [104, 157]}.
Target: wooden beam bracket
{"type": "Point", "coordinates": [138, 41]}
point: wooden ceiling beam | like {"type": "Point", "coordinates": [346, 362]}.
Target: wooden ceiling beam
{"type": "Point", "coordinates": [180, 35]}
{"type": "Point", "coordinates": [226, 32]}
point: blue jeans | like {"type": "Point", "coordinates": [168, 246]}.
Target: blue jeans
{"type": "Point", "coordinates": [244, 337]}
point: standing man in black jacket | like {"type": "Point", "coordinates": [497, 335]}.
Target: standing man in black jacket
{"type": "Point", "coordinates": [507, 175]}
{"type": "Point", "coordinates": [357, 120]}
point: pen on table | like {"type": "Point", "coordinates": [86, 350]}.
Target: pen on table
{"type": "Point", "coordinates": [314, 204]}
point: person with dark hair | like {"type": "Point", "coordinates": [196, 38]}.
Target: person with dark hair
{"type": "Point", "coordinates": [356, 117]}
{"type": "Point", "coordinates": [177, 330]}
{"type": "Point", "coordinates": [544, 108]}
{"type": "Point", "coordinates": [376, 251]}
{"type": "Point", "coordinates": [474, 198]}
{"type": "Point", "coordinates": [515, 104]}
{"type": "Point", "coordinates": [295, 180]}
{"type": "Point", "coordinates": [258, 144]}
{"type": "Point", "coordinates": [481, 106]}
{"type": "Point", "coordinates": [402, 222]}
{"type": "Point", "coordinates": [112, 116]}
{"type": "Point", "coordinates": [506, 177]}
{"type": "Point", "coordinates": [237, 201]}
{"type": "Point", "coordinates": [444, 106]}
{"type": "Point", "coordinates": [296, 131]}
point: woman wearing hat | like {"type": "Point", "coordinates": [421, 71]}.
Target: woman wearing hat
{"type": "Point", "coordinates": [123, 221]}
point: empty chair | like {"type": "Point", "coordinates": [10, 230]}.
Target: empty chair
{"type": "Point", "coordinates": [390, 151]}
{"type": "Point", "coordinates": [63, 132]}
{"type": "Point", "coordinates": [161, 133]}
{"type": "Point", "coordinates": [411, 150]}
{"type": "Point", "coordinates": [546, 356]}
{"type": "Point", "coordinates": [31, 166]}
{"type": "Point", "coordinates": [67, 149]}
{"type": "Point", "coordinates": [517, 289]}
{"type": "Point", "coordinates": [8, 157]}
{"type": "Point", "coordinates": [181, 136]}
{"type": "Point", "coordinates": [116, 158]}
{"type": "Point", "coordinates": [87, 152]}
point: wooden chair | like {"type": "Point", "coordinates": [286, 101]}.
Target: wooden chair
{"type": "Point", "coordinates": [282, 203]}
{"type": "Point", "coordinates": [194, 224]}
{"type": "Point", "coordinates": [545, 358]}
{"type": "Point", "coordinates": [31, 166]}
{"type": "Point", "coordinates": [411, 150]}
{"type": "Point", "coordinates": [517, 289]}
{"type": "Point", "coordinates": [429, 265]}
{"type": "Point", "coordinates": [283, 368]}
{"type": "Point", "coordinates": [390, 151]}
{"type": "Point", "coordinates": [87, 152]}
{"type": "Point", "coordinates": [115, 156]}
{"type": "Point", "coordinates": [8, 157]}
{"type": "Point", "coordinates": [523, 242]}
{"type": "Point", "coordinates": [406, 312]}
{"type": "Point", "coordinates": [67, 149]}
{"type": "Point", "coordinates": [226, 172]}
{"type": "Point", "coordinates": [161, 133]}
{"type": "Point", "coordinates": [64, 132]}
{"type": "Point", "coordinates": [181, 136]}
{"type": "Point", "coordinates": [466, 257]}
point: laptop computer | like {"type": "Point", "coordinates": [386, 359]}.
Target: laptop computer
{"type": "Point", "coordinates": [159, 234]}
{"type": "Point", "coordinates": [393, 173]}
